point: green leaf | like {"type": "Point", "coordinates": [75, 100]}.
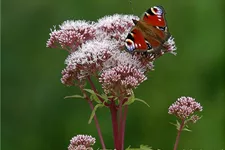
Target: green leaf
{"type": "Point", "coordinates": [186, 128]}
{"type": "Point", "coordinates": [93, 112]}
{"type": "Point", "coordinates": [90, 91]}
{"type": "Point", "coordinates": [142, 147]}
{"type": "Point", "coordinates": [94, 96]}
{"type": "Point", "coordinates": [105, 97]}
{"type": "Point", "coordinates": [132, 99]}
{"type": "Point", "coordinates": [145, 147]}
{"type": "Point", "coordinates": [140, 100]}
{"type": "Point", "coordinates": [74, 96]}
{"type": "Point", "coordinates": [177, 125]}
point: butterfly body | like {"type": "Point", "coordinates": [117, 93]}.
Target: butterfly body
{"type": "Point", "coordinates": [149, 33]}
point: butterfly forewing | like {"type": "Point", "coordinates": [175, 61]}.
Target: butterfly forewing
{"type": "Point", "coordinates": [155, 16]}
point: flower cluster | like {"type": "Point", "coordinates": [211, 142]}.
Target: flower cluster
{"type": "Point", "coordinates": [81, 142]}
{"type": "Point", "coordinates": [120, 75]}
{"type": "Point", "coordinates": [115, 27]}
{"type": "Point", "coordinates": [184, 108]}
{"type": "Point", "coordinates": [71, 35]}
{"type": "Point", "coordinates": [97, 49]}
{"type": "Point", "coordinates": [87, 60]}
{"type": "Point", "coordinates": [121, 79]}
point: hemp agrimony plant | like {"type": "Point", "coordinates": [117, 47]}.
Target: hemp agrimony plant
{"type": "Point", "coordinates": [96, 52]}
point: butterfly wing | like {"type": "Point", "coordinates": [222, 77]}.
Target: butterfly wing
{"type": "Point", "coordinates": [149, 33]}
{"type": "Point", "coordinates": [155, 16]}
{"type": "Point", "coordinates": [155, 27]}
{"type": "Point", "coordinates": [136, 41]}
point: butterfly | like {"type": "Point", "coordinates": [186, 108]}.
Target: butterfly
{"type": "Point", "coordinates": [149, 33]}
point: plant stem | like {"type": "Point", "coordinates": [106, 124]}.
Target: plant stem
{"type": "Point", "coordinates": [92, 84]}
{"type": "Point", "coordinates": [95, 90]}
{"type": "Point", "coordinates": [113, 111]}
{"type": "Point", "coordinates": [120, 122]}
{"type": "Point", "coordinates": [123, 126]}
{"type": "Point", "coordinates": [95, 119]}
{"type": "Point", "coordinates": [178, 134]}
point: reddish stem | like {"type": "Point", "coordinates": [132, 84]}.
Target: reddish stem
{"type": "Point", "coordinates": [95, 119]}
{"type": "Point", "coordinates": [123, 126]}
{"type": "Point", "coordinates": [120, 121]}
{"type": "Point", "coordinates": [113, 111]}
{"type": "Point", "coordinates": [178, 134]}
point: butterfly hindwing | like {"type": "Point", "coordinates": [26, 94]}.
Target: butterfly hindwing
{"type": "Point", "coordinates": [136, 41]}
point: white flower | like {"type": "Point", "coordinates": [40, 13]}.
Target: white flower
{"type": "Point", "coordinates": [170, 45]}
{"type": "Point", "coordinates": [76, 25]}
{"type": "Point", "coordinates": [115, 27]}
{"type": "Point", "coordinates": [71, 35]}
{"type": "Point", "coordinates": [92, 52]}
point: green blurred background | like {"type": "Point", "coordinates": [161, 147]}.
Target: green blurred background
{"type": "Point", "coordinates": [35, 115]}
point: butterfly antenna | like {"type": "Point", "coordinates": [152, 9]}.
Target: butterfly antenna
{"type": "Point", "coordinates": [131, 6]}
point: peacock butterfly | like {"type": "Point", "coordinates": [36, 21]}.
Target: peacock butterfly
{"type": "Point", "coordinates": [149, 33]}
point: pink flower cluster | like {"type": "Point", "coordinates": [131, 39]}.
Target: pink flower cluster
{"type": "Point", "coordinates": [81, 142]}
{"type": "Point", "coordinates": [121, 79]}
{"type": "Point", "coordinates": [71, 35]}
{"type": "Point", "coordinates": [97, 49]}
{"type": "Point", "coordinates": [115, 27]}
{"type": "Point", "coordinates": [184, 108]}
{"type": "Point", "coordinates": [87, 60]}
{"type": "Point", "coordinates": [120, 75]}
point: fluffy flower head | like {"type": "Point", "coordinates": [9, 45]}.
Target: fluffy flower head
{"type": "Point", "coordinates": [121, 79]}
{"type": "Point", "coordinates": [184, 108]}
{"type": "Point", "coordinates": [115, 27]}
{"type": "Point", "coordinates": [87, 60]}
{"type": "Point", "coordinates": [71, 35]}
{"type": "Point", "coordinates": [81, 142]}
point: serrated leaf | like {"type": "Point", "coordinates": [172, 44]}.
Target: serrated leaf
{"type": "Point", "coordinates": [140, 100]}
{"type": "Point", "coordinates": [74, 96]}
{"type": "Point", "coordinates": [93, 112]}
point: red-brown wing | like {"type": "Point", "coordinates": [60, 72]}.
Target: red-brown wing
{"type": "Point", "coordinates": [151, 34]}
{"type": "Point", "coordinates": [155, 16]}
{"type": "Point", "coordinates": [136, 41]}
